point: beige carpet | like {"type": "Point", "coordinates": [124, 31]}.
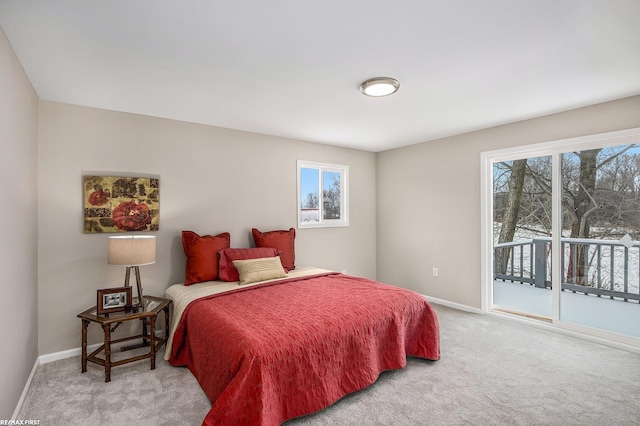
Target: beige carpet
{"type": "Point", "coordinates": [492, 372]}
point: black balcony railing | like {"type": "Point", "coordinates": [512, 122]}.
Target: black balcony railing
{"type": "Point", "coordinates": [607, 268]}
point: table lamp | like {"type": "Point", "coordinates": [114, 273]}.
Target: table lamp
{"type": "Point", "coordinates": [132, 251]}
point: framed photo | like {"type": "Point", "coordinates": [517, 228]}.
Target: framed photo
{"type": "Point", "coordinates": [113, 300]}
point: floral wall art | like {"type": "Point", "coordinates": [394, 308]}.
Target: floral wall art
{"type": "Point", "coordinates": [121, 204]}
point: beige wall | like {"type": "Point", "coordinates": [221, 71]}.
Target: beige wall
{"type": "Point", "coordinates": [18, 217]}
{"type": "Point", "coordinates": [211, 180]}
{"type": "Point", "coordinates": [428, 198]}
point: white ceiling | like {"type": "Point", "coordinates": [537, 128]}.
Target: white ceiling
{"type": "Point", "coordinates": [292, 68]}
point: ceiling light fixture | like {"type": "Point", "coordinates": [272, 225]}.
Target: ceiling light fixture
{"type": "Point", "coordinates": [380, 86]}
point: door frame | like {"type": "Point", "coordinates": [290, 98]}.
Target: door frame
{"type": "Point", "coordinates": [555, 149]}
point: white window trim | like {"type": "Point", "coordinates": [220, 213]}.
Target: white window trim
{"type": "Point", "coordinates": [344, 195]}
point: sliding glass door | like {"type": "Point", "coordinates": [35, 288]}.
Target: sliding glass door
{"type": "Point", "coordinates": [561, 230]}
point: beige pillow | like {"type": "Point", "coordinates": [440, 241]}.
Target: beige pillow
{"type": "Point", "coordinates": [264, 268]}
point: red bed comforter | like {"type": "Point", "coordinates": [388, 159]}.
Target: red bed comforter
{"type": "Point", "coordinates": [272, 352]}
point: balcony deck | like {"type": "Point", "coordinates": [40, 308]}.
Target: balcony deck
{"type": "Point", "coordinates": [599, 312]}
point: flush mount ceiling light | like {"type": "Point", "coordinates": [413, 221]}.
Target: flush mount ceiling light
{"type": "Point", "coordinates": [380, 86]}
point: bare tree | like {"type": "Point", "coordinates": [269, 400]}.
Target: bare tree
{"type": "Point", "coordinates": [590, 198]}
{"type": "Point", "coordinates": [583, 206]}
{"type": "Point", "coordinates": [311, 201]}
{"type": "Point", "coordinates": [511, 210]}
{"type": "Point", "coordinates": [600, 198]}
{"type": "Point", "coordinates": [331, 199]}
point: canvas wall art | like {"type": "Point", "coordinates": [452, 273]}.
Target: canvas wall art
{"type": "Point", "coordinates": [121, 204]}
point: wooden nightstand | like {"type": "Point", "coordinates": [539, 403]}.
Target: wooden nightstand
{"type": "Point", "coordinates": [109, 322]}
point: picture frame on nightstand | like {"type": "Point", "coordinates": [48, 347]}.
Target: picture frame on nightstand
{"type": "Point", "coordinates": [111, 300]}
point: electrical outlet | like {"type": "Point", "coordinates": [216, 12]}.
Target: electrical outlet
{"type": "Point", "coordinates": [435, 272]}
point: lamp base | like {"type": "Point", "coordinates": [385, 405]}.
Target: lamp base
{"type": "Point", "coordinates": [127, 277]}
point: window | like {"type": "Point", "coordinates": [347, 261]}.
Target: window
{"type": "Point", "coordinates": [322, 195]}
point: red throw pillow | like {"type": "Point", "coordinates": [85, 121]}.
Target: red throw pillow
{"type": "Point", "coordinates": [281, 240]}
{"type": "Point", "coordinates": [202, 255]}
{"type": "Point", "coordinates": [228, 271]}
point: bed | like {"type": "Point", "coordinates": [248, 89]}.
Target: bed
{"type": "Point", "coordinates": [278, 349]}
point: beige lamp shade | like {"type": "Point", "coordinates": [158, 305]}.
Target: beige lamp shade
{"type": "Point", "coordinates": [131, 250]}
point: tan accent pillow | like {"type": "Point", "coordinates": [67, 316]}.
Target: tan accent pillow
{"type": "Point", "coordinates": [265, 268]}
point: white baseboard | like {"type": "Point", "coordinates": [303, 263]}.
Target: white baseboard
{"type": "Point", "coordinates": [453, 305]}
{"type": "Point", "coordinates": [56, 356]}
{"type": "Point", "coordinates": [26, 389]}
